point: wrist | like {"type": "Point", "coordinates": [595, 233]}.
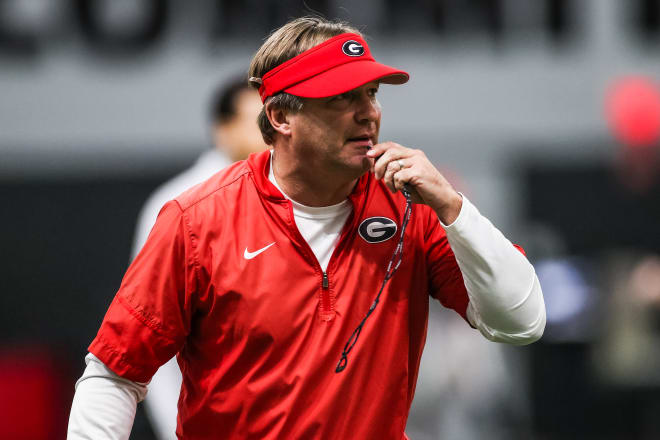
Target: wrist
{"type": "Point", "coordinates": [450, 207]}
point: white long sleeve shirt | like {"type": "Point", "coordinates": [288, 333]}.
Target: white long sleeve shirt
{"type": "Point", "coordinates": [506, 301]}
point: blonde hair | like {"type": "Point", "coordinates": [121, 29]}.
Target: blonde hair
{"type": "Point", "coordinates": [288, 41]}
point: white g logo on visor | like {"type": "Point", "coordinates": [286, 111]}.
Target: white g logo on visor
{"type": "Point", "coordinates": [352, 48]}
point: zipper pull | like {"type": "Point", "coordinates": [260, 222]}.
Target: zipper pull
{"type": "Point", "coordinates": [325, 280]}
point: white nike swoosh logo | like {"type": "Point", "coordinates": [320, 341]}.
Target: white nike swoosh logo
{"type": "Point", "coordinates": [250, 255]}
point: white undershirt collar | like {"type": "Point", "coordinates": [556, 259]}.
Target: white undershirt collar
{"type": "Point", "coordinates": [318, 212]}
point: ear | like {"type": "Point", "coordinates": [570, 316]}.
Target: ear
{"type": "Point", "coordinates": [279, 118]}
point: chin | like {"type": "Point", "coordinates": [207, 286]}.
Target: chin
{"type": "Point", "coordinates": [361, 166]}
{"type": "Point", "coordinates": [367, 163]}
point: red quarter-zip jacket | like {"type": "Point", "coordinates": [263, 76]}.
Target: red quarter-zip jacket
{"type": "Point", "coordinates": [259, 328]}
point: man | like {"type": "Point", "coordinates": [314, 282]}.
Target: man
{"type": "Point", "coordinates": [233, 113]}
{"type": "Point", "coordinates": [280, 282]}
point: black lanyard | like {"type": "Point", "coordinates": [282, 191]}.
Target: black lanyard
{"type": "Point", "coordinates": [392, 266]}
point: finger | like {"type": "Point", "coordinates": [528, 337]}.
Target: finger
{"type": "Point", "coordinates": [406, 178]}
{"type": "Point", "coordinates": [381, 164]}
{"type": "Point", "coordinates": [390, 184]}
{"type": "Point", "coordinates": [391, 168]}
{"type": "Point", "coordinates": [402, 177]}
{"type": "Point", "coordinates": [379, 149]}
{"type": "Point", "coordinates": [393, 154]}
{"type": "Point", "coordinates": [377, 152]}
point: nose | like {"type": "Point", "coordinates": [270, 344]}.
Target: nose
{"type": "Point", "coordinates": [367, 108]}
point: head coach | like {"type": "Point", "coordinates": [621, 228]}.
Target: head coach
{"type": "Point", "coordinates": [294, 287]}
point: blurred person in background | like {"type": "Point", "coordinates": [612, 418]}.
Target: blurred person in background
{"type": "Point", "coordinates": [479, 392]}
{"type": "Point", "coordinates": [628, 353]}
{"type": "Point", "coordinates": [233, 113]}
{"type": "Point", "coordinates": [259, 332]}
{"type": "Point", "coordinates": [233, 116]}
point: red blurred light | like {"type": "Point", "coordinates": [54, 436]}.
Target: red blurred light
{"type": "Point", "coordinates": [633, 111]}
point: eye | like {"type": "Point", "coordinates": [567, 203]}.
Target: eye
{"type": "Point", "coordinates": [372, 91]}
{"type": "Point", "coordinates": [343, 96]}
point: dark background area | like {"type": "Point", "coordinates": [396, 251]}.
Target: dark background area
{"type": "Point", "coordinates": [596, 212]}
{"type": "Point", "coordinates": [66, 245]}
{"type": "Point", "coordinates": [592, 208]}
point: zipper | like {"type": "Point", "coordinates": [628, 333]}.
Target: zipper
{"type": "Point", "coordinates": [327, 313]}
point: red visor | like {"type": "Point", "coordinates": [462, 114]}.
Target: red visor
{"type": "Point", "coordinates": [335, 66]}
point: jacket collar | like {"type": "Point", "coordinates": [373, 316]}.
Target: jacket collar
{"type": "Point", "coordinates": [259, 164]}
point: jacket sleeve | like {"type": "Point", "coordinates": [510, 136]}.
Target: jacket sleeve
{"type": "Point", "coordinates": [445, 277]}
{"type": "Point", "coordinates": [149, 318]}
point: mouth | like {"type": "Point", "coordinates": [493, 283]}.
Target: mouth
{"type": "Point", "coordinates": [363, 140]}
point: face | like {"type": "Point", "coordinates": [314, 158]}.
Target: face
{"type": "Point", "coordinates": [335, 133]}
{"type": "Point", "coordinates": [240, 136]}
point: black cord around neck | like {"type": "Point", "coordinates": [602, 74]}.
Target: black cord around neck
{"type": "Point", "coordinates": [392, 266]}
